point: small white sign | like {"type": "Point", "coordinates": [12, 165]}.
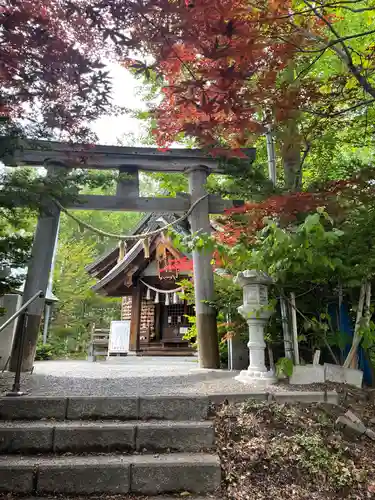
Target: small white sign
{"type": "Point", "coordinates": [184, 330]}
{"type": "Point", "coordinates": [119, 337]}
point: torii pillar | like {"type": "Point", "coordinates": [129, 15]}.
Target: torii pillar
{"type": "Point", "coordinates": [207, 338]}
{"type": "Point", "coordinates": [37, 279]}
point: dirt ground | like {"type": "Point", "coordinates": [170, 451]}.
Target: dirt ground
{"type": "Point", "coordinates": [180, 496]}
{"type": "Point", "coordinates": [296, 452]}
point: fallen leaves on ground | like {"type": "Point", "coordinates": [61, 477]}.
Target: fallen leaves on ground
{"type": "Point", "coordinates": [293, 452]}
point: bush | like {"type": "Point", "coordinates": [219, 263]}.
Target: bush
{"type": "Point", "coordinates": [44, 352]}
{"type": "Point", "coordinates": [223, 350]}
{"type": "Point", "coordinates": [284, 366]}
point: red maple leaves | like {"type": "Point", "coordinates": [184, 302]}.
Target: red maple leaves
{"type": "Point", "coordinates": [338, 198]}
{"type": "Point", "coordinates": [49, 65]}
{"type": "Point", "coordinates": [222, 62]}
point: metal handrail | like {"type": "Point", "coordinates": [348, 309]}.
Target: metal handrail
{"type": "Point", "coordinates": [39, 295]}
{"type": "Point", "coordinates": [20, 336]}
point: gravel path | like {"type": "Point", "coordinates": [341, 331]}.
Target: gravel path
{"type": "Point", "coordinates": [129, 376]}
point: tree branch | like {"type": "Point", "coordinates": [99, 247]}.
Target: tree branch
{"type": "Point", "coordinates": [306, 70]}
{"type": "Point", "coordinates": [325, 46]}
{"type": "Point", "coordinates": [341, 112]}
{"type": "Point", "coordinates": [304, 156]}
{"type": "Point", "coordinates": [344, 53]}
{"type": "Point", "coordinates": [344, 5]}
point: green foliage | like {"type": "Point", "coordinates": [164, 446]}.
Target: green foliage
{"type": "Point", "coordinates": [242, 180]}
{"type": "Point", "coordinates": [355, 252]}
{"type": "Point", "coordinates": [79, 307]}
{"type": "Point", "coordinates": [187, 292]}
{"type": "Point", "coordinates": [318, 329]}
{"type": "Point", "coordinates": [34, 191]}
{"type": "Point", "coordinates": [227, 298]}
{"type": "Point", "coordinates": [297, 253]}
{"type": "Point", "coordinates": [191, 334]}
{"type": "Point", "coordinates": [170, 184]}
{"type": "Point", "coordinates": [286, 254]}
{"type": "Point", "coordinates": [284, 366]}
{"type": "Point", "coordinates": [368, 335]}
{"type": "Point", "coordinates": [44, 352]}
{"type": "Point", "coordinates": [223, 353]}
{"type": "Point", "coordinates": [113, 222]}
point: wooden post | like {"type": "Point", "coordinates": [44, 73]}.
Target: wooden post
{"type": "Point", "coordinates": [208, 345]}
{"type": "Point", "coordinates": [48, 307]}
{"type": "Point", "coordinates": [294, 327]}
{"type": "Point", "coordinates": [288, 343]}
{"type": "Point", "coordinates": [157, 320]}
{"type": "Point", "coordinates": [37, 279]}
{"type": "Point", "coordinates": [135, 321]}
{"type": "Point", "coordinates": [128, 187]}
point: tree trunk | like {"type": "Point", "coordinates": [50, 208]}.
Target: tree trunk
{"type": "Point", "coordinates": [291, 155]}
{"type": "Point", "coordinates": [288, 344]}
{"type": "Point", "coordinates": [294, 327]}
{"type": "Point", "coordinates": [366, 324]}
{"type": "Point", "coordinates": [365, 293]}
{"type": "Point", "coordinates": [271, 358]}
{"type": "Point", "coordinates": [290, 139]}
{"type": "Point", "coordinates": [330, 350]}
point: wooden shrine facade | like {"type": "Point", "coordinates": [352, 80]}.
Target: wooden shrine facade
{"type": "Point", "coordinates": [149, 284]}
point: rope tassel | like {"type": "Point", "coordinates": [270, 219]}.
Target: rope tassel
{"type": "Point", "coordinates": [122, 250]}
{"type": "Point", "coordinates": [146, 247]}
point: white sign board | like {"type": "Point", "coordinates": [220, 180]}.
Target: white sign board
{"type": "Point", "coordinates": [119, 337]}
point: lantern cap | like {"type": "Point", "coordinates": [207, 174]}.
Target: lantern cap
{"type": "Point", "coordinates": [253, 277]}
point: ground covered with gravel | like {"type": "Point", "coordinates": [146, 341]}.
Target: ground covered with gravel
{"type": "Point", "coordinates": [128, 377]}
{"type": "Point", "coordinates": [132, 376]}
{"type": "Point", "coordinates": [296, 452]}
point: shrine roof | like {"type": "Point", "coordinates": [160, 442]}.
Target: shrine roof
{"type": "Point", "coordinates": [148, 223]}
{"type": "Point", "coordinates": [120, 267]}
{"type": "Point", "coordinates": [118, 281]}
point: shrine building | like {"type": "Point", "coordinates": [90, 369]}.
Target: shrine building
{"type": "Point", "coordinates": [147, 280]}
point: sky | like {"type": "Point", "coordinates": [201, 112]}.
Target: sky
{"type": "Point", "coordinates": [125, 129]}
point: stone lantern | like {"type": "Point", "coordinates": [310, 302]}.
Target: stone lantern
{"type": "Point", "coordinates": [254, 310]}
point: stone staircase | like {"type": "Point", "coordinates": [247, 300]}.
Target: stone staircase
{"type": "Point", "coordinates": [113, 445]}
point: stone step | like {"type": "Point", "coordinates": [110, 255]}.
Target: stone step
{"type": "Point", "coordinates": [158, 497]}
{"type": "Point", "coordinates": [142, 407]}
{"type": "Point", "coordinates": [166, 352]}
{"type": "Point", "coordinates": [91, 408]}
{"type": "Point", "coordinates": [112, 474]}
{"type": "Point", "coordinates": [104, 436]}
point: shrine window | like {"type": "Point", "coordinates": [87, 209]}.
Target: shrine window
{"type": "Point", "coordinates": [176, 314]}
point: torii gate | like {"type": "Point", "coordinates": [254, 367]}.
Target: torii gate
{"type": "Point", "coordinates": [127, 160]}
